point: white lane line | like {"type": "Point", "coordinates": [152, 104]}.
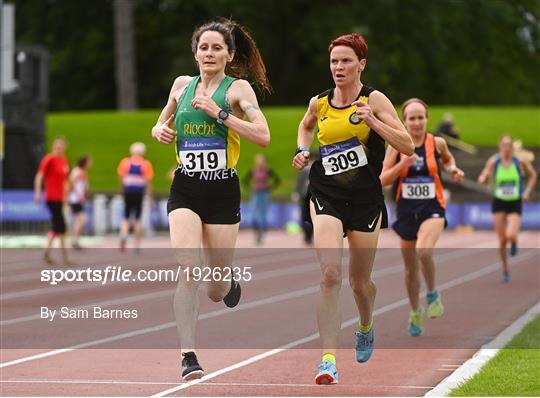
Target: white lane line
{"type": "Point", "coordinates": [455, 282]}
{"type": "Point", "coordinates": [63, 288]}
{"type": "Point", "coordinates": [287, 296]}
{"type": "Point", "coordinates": [482, 356]}
{"type": "Point", "coordinates": [441, 259]}
{"type": "Point", "coordinates": [152, 329]}
{"type": "Point", "coordinates": [103, 304]}
{"type": "Point", "coordinates": [249, 305]}
{"type": "Point", "coordinates": [67, 381]}
{"type": "Point", "coordinates": [60, 289]}
{"type": "Point", "coordinates": [262, 259]}
{"type": "Point", "coordinates": [213, 384]}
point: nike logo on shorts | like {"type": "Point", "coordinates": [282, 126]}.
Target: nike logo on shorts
{"type": "Point", "coordinates": [370, 225]}
{"type": "Point", "coordinates": [318, 205]}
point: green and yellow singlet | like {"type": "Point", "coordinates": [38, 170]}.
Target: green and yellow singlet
{"type": "Point", "coordinates": [508, 180]}
{"type": "Point", "coordinates": [202, 144]}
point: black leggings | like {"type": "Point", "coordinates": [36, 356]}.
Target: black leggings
{"type": "Point", "coordinates": [57, 216]}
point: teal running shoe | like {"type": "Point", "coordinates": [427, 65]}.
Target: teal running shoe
{"type": "Point", "coordinates": [505, 277]}
{"type": "Point", "coordinates": [364, 345]}
{"type": "Point", "coordinates": [328, 373]}
{"type": "Point", "coordinates": [416, 322]}
{"type": "Point", "coordinates": [435, 306]}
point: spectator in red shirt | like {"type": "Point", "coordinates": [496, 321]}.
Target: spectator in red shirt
{"type": "Point", "coordinates": [53, 172]}
{"type": "Point", "coordinates": [136, 175]}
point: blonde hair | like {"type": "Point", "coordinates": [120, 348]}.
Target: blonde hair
{"type": "Point", "coordinates": [137, 148]}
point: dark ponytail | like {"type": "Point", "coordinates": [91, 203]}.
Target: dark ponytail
{"type": "Point", "coordinates": [247, 62]}
{"type": "Point", "coordinates": [83, 160]}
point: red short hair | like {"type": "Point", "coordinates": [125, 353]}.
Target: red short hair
{"type": "Point", "coordinates": [354, 41]}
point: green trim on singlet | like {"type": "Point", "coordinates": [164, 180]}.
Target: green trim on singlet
{"type": "Point", "coordinates": [507, 177]}
{"type": "Point", "coordinates": [195, 123]}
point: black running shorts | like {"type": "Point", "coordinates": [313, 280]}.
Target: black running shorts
{"type": "Point", "coordinates": [76, 207]}
{"type": "Point", "coordinates": [353, 216]}
{"type": "Point", "coordinates": [213, 196]}
{"type": "Point", "coordinates": [512, 206]}
{"type": "Point", "coordinates": [133, 204]}
{"type": "Point", "coordinates": [407, 225]}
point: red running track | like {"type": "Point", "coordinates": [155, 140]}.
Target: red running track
{"type": "Point", "coordinates": [259, 360]}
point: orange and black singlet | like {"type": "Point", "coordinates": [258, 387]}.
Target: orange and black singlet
{"type": "Point", "coordinates": [419, 188]}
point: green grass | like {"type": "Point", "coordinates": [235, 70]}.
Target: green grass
{"type": "Point", "coordinates": [107, 136]}
{"type": "Point", "coordinates": [514, 371]}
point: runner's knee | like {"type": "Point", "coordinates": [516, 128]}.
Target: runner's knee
{"type": "Point", "coordinates": [424, 254]}
{"type": "Point", "coordinates": [362, 288]}
{"type": "Point", "coordinates": [331, 277]}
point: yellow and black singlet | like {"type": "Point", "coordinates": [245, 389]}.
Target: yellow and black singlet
{"type": "Point", "coordinates": [351, 153]}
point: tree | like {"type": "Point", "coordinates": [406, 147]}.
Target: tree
{"type": "Point", "coordinates": [126, 80]}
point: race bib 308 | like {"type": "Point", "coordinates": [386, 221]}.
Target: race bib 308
{"type": "Point", "coordinates": [421, 187]}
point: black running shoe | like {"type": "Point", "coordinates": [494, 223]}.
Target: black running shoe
{"type": "Point", "coordinates": [190, 367]}
{"type": "Point", "coordinates": [233, 297]}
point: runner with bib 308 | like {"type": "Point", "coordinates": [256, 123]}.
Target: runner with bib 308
{"type": "Point", "coordinates": [420, 207]}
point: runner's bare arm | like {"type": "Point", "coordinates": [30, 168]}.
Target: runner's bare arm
{"type": "Point", "coordinates": [179, 85]}
{"type": "Point", "coordinates": [305, 134]}
{"type": "Point", "coordinates": [448, 160]}
{"type": "Point", "coordinates": [392, 168]}
{"type": "Point", "coordinates": [380, 115]}
{"type": "Point", "coordinates": [162, 132]}
{"type": "Point", "coordinates": [308, 123]}
{"type": "Point", "coordinates": [255, 129]}
{"type": "Point", "coordinates": [38, 181]}
{"type": "Point", "coordinates": [531, 180]}
{"type": "Point", "coordinates": [487, 171]}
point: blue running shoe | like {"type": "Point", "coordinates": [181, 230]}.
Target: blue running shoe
{"type": "Point", "coordinates": [364, 345]}
{"type": "Point", "coordinates": [416, 322]}
{"type": "Point", "coordinates": [328, 373]}
{"type": "Point", "coordinates": [513, 249]}
{"type": "Point", "coordinates": [505, 277]}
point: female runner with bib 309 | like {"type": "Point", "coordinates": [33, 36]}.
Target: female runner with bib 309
{"type": "Point", "coordinates": [204, 202]}
{"type": "Point", "coordinates": [420, 207]}
{"type": "Point", "coordinates": [345, 194]}
{"type": "Point", "coordinates": [508, 193]}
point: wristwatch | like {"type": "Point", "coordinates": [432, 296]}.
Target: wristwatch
{"type": "Point", "coordinates": [301, 149]}
{"type": "Point", "coordinates": [222, 116]}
